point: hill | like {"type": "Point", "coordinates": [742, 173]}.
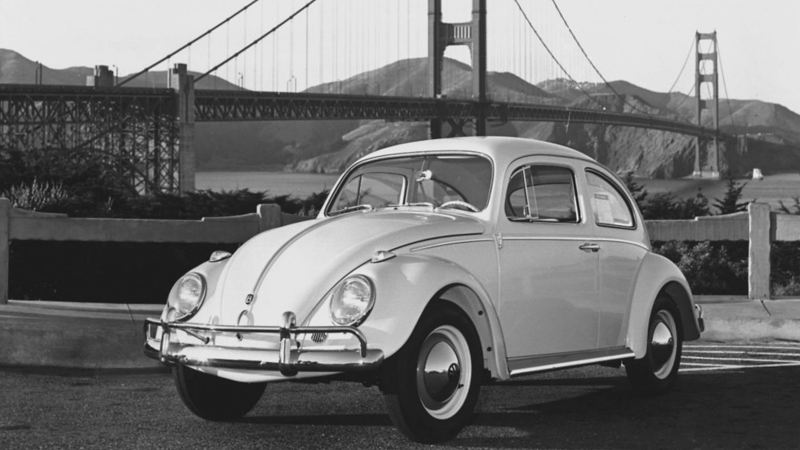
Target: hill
{"type": "Point", "coordinates": [329, 146]}
{"type": "Point", "coordinates": [17, 69]}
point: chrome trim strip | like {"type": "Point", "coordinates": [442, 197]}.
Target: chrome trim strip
{"type": "Point", "coordinates": [573, 238]}
{"type": "Point", "coordinates": [532, 368]}
{"type": "Point", "coordinates": [443, 244]}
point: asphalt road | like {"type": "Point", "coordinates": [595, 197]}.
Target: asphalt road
{"type": "Point", "coordinates": [729, 398]}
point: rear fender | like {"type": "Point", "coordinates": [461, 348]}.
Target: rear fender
{"type": "Point", "coordinates": [658, 275]}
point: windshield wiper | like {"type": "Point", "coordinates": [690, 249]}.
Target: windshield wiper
{"type": "Point", "coordinates": [411, 205]}
{"type": "Point", "coordinates": [362, 207]}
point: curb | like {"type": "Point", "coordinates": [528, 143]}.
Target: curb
{"type": "Point", "coordinates": [74, 335]}
{"type": "Point", "coordinates": [108, 336]}
{"type": "Point", "coordinates": [747, 320]}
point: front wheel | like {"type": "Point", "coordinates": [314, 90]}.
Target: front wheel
{"type": "Point", "coordinates": [215, 398]}
{"type": "Point", "coordinates": [431, 385]}
{"type": "Point", "coordinates": [658, 370]}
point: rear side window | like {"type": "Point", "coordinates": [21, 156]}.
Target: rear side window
{"type": "Point", "coordinates": [608, 203]}
{"type": "Point", "coordinates": [540, 193]}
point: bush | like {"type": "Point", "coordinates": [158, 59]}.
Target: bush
{"type": "Point", "coordinates": [785, 265]}
{"type": "Point", "coordinates": [664, 206]}
{"type": "Point", "coordinates": [718, 268]}
{"type": "Point", "coordinates": [37, 196]}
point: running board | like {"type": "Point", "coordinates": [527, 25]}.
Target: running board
{"type": "Point", "coordinates": [533, 364]}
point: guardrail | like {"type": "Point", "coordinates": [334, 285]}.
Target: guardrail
{"type": "Point", "coordinates": [758, 226]}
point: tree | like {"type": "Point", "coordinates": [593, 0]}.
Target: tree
{"type": "Point", "coordinates": [638, 191]}
{"type": "Point", "coordinates": [730, 203]}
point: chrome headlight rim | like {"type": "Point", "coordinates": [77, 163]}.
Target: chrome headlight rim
{"type": "Point", "coordinates": [336, 295]}
{"type": "Point", "coordinates": [197, 304]}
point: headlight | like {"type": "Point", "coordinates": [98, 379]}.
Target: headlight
{"type": "Point", "coordinates": [189, 293]}
{"type": "Point", "coordinates": [352, 300]}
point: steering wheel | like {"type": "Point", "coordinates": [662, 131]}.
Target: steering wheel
{"type": "Point", "coordinates": [458, 204]}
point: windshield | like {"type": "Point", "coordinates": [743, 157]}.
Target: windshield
{"type": "Point", "coordinates": [448, 181]}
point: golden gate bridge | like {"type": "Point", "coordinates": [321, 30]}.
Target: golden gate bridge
{"type": "Point", "coordinates": [146, 134]}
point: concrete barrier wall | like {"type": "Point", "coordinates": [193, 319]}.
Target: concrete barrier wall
{"type": "Point", "coordinates": [18, 224]}
{"type": "Point", "coordinates": [758, 226]}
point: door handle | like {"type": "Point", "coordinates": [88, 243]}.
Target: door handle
{"type": "Point", "coordinates": [589, 247]}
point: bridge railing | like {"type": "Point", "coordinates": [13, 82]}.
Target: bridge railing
{"type": "Point", "coordinates": [758, 226]}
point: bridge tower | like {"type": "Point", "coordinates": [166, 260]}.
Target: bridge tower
{"type": "Point", "coordinates": [472, 34]}
{"type": "Point", "coordinates": [183, 83]}
{"type": "Point", "coordinates": [702, 77]}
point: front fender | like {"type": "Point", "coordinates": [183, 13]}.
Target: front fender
{"type": "Point", "coordinates": [405, 286]}
{"type": "Point", "coordinates": [658, 275]}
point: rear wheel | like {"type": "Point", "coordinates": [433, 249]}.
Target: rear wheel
{"type": "Point", "coordinates": [215, 398]}
{"type": "Point", "coordinates": [658, 370]}
{"type": "Point", "coordinates": [431, 385]}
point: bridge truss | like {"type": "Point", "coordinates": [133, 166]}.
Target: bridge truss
{"type": "Point", "coordinates": [226, 105]}
{"type": "Point", "coordinates": [131, 131]}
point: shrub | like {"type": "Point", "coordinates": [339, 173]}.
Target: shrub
{"type": "Point", "coordinates": [664, 206]}
{"type": "Point", "coordinates": [37, 196]}
{"type": "Point", "coordinates": [785, 265]}
{"type": "Point", "coordinates": [709, 267]}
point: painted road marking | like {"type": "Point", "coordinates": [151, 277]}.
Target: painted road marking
{"type": "Point", "coordinates": [709, 357]}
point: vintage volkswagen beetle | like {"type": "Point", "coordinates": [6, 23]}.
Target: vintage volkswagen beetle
{"type": "Point", "coordinates": [433, 267]}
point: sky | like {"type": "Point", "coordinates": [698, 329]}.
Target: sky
{"type": "Point", "coordinates": [641, 41]}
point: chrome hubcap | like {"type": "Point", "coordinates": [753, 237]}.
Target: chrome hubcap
{"type": "Point", "coordinates": [444, 372]}
{"type": "Point", "coordinates": [663, 344]}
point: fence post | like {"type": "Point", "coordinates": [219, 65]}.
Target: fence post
{"type": "Point", "coordinates": [269, 216]}
{"type": "Point", "coordinates": [5, 235]}
{"type": "Point", "coordinates": [758, 258]}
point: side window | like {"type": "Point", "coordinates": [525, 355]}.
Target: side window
{"type": "Point", "coordinates": [375, 189]}
{"type": "Point", "coordinates": [608, 203]}
{"type": "Point", "coordinates": [541, 193]}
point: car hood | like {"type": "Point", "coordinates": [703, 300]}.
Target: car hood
{"type": "Point", "coordinates": [291, 268]}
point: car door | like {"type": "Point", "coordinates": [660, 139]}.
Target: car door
{"type": "Point", "coordinates": [621, 250]}
{"type": "Point", "coordinates": [548, 264]}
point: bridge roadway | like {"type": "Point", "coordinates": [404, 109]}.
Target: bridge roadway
{"type": "Point", "coordinates": [31, 104]}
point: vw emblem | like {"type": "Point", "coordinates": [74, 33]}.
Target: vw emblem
{"type": "Point", "coordinates": [249, 299]}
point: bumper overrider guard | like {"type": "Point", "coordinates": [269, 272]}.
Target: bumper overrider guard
{"type": "Point", "coordinates": [698, 313]}
{"type": "Point", "coordinates": [288, 359]}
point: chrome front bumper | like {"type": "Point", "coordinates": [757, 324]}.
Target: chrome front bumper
{"type": "Point", "coordinates": [285, 355]}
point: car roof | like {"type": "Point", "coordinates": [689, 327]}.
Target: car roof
{"type": "Point", "coordinates": [502, 150]}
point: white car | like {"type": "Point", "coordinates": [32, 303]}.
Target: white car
{"type": "Point", "coordinates": [432, 268]}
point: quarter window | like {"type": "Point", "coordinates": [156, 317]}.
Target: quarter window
{"type": "Point", "coordinates": [541, 193]}
{"type": "Point", "coordinates": [608, 203]}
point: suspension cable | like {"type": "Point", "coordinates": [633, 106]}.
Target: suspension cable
{"type": "Point", "coordinates": [586, 55]}
{"type": "Point", "coordinates": [553, 56]}
{"type": "Point", "coordinates": [683, 100]}
{"type": "Point", "coordinates": [206, 33]}
{"type": "Point", "coordinates": [725, 87]}
{"type": "Point", "coordinates": [683, 67]}
{"type": "Point", "coordinates": [256, 41]}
